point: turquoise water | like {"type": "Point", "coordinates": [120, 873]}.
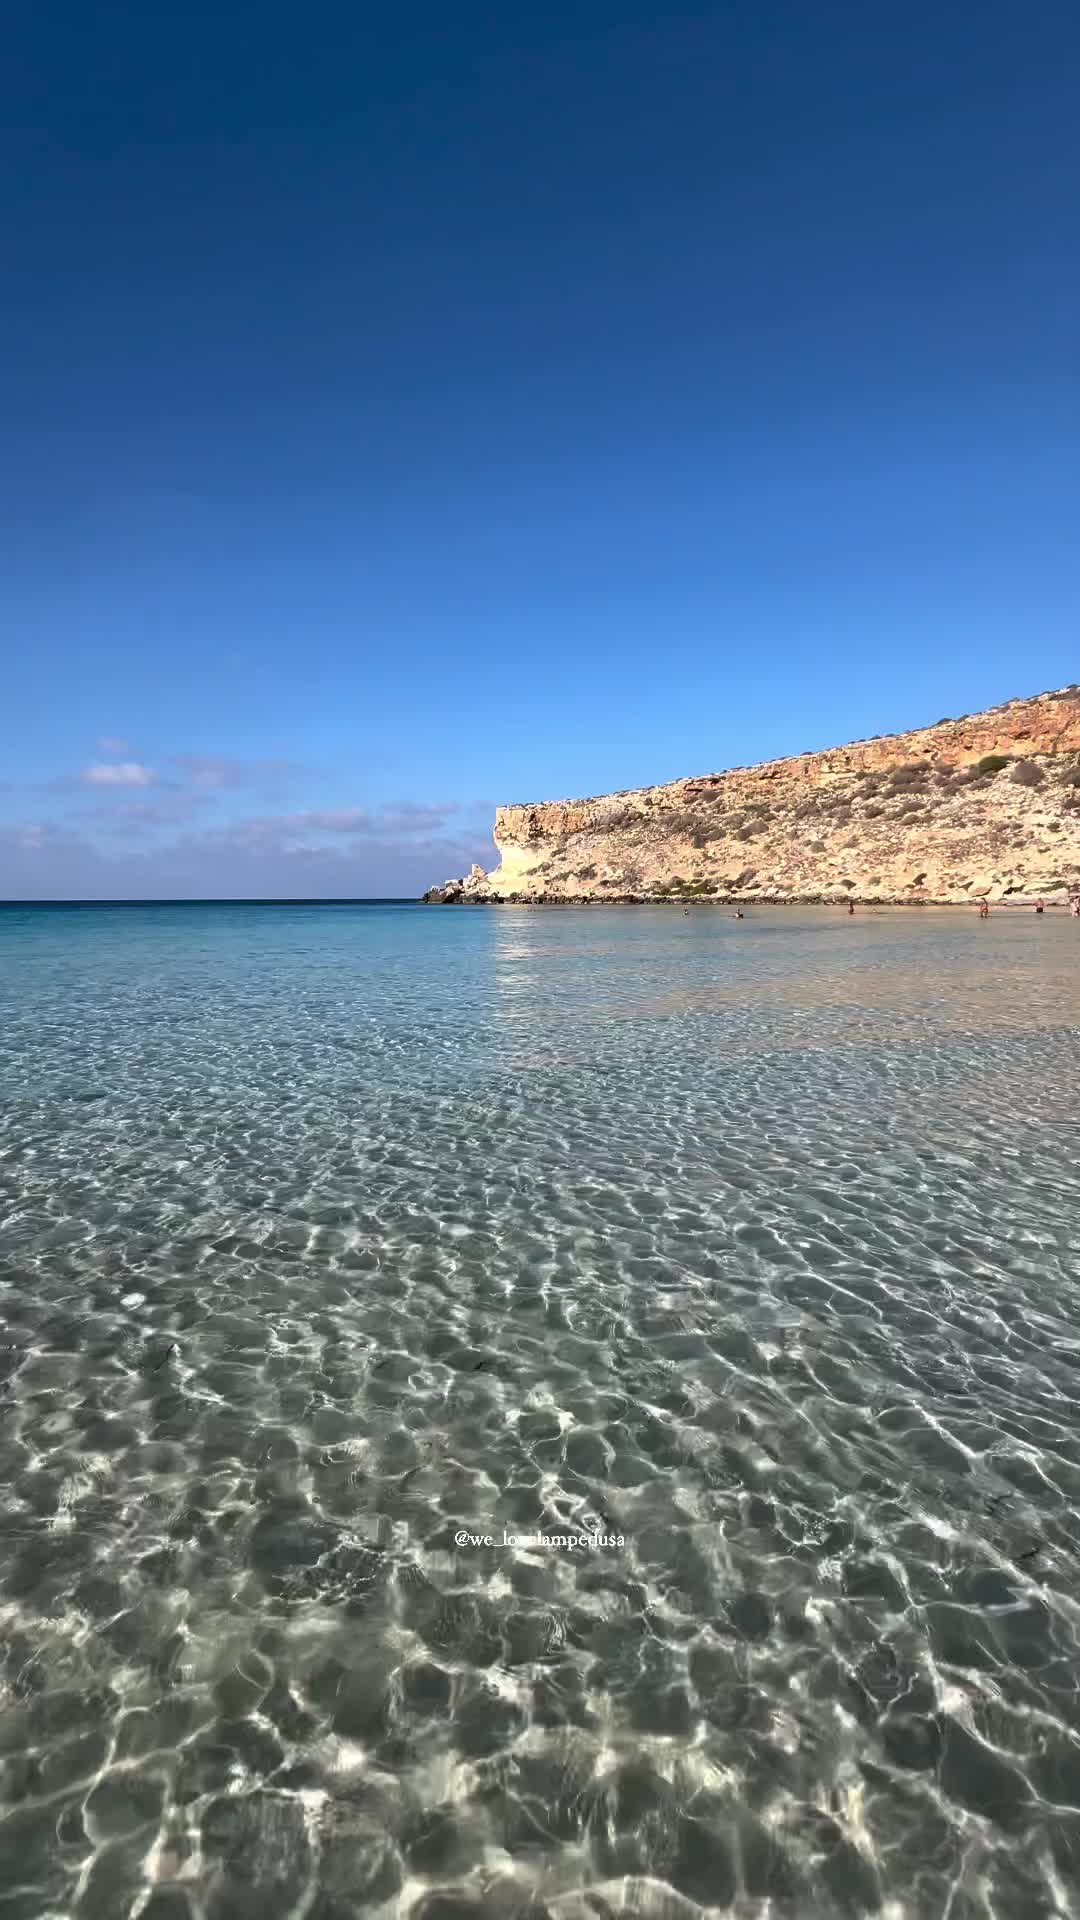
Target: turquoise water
{"type": "Point", "coordinates": [746, 1255]}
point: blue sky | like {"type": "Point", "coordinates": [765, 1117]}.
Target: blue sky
{"type": "Point", "coordinates": [408, 409]}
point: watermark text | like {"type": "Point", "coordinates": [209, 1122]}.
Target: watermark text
{"type": "Point", "coordinates": [561, 1542]}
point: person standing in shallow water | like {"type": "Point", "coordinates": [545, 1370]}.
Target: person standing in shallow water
{"type": "Point", "coordinates": [1038, 906]}
{"type": "Point", "coordinates": [851, 906]}
{"type": "Point", "coordinates": [984, 909]}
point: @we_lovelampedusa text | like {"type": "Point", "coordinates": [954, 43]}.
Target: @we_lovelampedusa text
{"type": "Point", "coordinates": [586, 1542]}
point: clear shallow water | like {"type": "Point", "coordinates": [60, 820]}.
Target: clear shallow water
{"type": "Point", "coordinates": [328, 1234]}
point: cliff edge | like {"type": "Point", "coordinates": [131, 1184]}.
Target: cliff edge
{"type": "Point", "coordinates": [987, 804]}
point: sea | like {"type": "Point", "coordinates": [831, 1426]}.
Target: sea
{"type": "Point", "coordinates": [538, 1412]}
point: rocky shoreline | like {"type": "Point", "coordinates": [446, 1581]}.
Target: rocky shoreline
{"type": "Point", "coordinates": [987, 805]}
{"type": "Point", "coordinates": [452, 896]}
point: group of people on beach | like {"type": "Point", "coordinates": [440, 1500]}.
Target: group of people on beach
{"type": "Point", "coordinates": [1040, 905]}
{"type": "Point", "coordinates": [984, 907]}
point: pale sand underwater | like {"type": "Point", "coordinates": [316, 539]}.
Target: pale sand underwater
{"type": "Point", "coordinates": [335, 1243]}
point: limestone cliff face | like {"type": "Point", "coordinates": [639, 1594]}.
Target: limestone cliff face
{"type": "Point", "coordinates": [986, 804]}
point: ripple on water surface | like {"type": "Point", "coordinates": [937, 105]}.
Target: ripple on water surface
{"type": "Point", "coordinates": [329, 1237]}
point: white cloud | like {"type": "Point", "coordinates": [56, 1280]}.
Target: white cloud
{"type": "Point", "coordinates": [410, 818]}
{"type": "Point", "coordinates": [122, 773]}
{"type": "Point", "coordinates": [397, 823]}
{"type": "Point", "coordinates": [40, 861]}
{"type": "Point", "coordinates": [325, 820]}
{"type": "Point", "coordinates": [109, 812]}
{"type": "Point", "coordinates": [212, 774]}
{"type": "Point", "coordinates": [208, 772]}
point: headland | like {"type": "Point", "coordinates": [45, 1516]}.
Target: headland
{"type": "Point", "coordinates": [986, 805]}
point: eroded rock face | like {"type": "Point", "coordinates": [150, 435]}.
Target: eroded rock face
{"type": "Point", "coordinates": [988, 803]}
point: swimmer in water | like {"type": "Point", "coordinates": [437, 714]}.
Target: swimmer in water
{"type": "Point", "coordinates": [740, 915]}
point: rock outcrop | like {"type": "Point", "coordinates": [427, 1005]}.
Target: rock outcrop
{"type": "Point", "coordinates": [988, 804]}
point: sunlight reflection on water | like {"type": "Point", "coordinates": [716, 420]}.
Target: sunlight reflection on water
{"type": "Point", "coordinates": [325, 1237]}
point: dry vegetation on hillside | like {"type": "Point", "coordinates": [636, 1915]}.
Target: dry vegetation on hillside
{"type": "Point", "coordinates": [989, 803]}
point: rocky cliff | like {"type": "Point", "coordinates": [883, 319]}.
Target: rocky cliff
{"type": "Point", "coordinates": [985, 804]}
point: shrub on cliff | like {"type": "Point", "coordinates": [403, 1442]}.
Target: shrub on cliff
{"type": "Point", "coordinates": [1027, 774]}
{"type": "Point", "coordinates": [991, 763]}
